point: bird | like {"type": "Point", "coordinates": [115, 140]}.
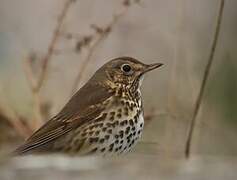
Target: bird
{"type": "Point", "coordinates": [104, 117]}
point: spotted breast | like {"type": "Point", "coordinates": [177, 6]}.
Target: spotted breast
{"type": "Point", "coordinates": [115, 131]}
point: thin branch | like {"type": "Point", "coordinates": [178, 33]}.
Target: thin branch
{"type": "Point", "coordinates": [27, 65]}
{"type": "Point", "coordinates": [204, 81]}
{"type": "Point", "coordinates": [101, 34]}
{"type": "Point", "coordinates": [36, 99]}
{"type": "Point", "coordinates": [15, 121]}
{"type": "Point", "coordinates": [36, 84]}
{"type": "Point", "coordinates": [52, 44]}
{"type": "Point", "coordinates": [86, 61]}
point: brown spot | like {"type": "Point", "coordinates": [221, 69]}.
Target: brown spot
{"type": "Point", "coordinates": [112, 113]}
{"type": "Point", "coordinates": [131, 122]}
{"type": "Point", "coordinates": [93, 140]}
{"type": "Point", "coordinates": [104, 129]}
{"type": "Point", "coordinates": [97, 133]}
{"type": "Point", "coordinates": [126, 113]}
{"type": "Point", "coordinates": [116, 136]}
{"type": "Point", "coordinates": [127, 103]}
{"type": "Point", "coordinates": [84, 134]}
{"type": "Point", "coordinates": [119, 115]}
{"type": "Point", "coordinates": [141, 125]}
{"type": "Point", "coordinates": [102, 150]}
{"type": "Point", "coordinates": [85, 129]}
{"type": "Point", "coordinates": [109, 131]}
{"type": "Point", "coordinates": [125, 122]}
{"type": "Point", "coordinates": [102, 140]}
{"type": "Point", "coordinates": [135, 120]}
{"type": "Point", "coordinates": [121, 134]}
{"type": "Point", "coordinates": [122, 123]}
{"type": "Point", "coordinates": [107, 137]}
{"type": "Point", "coordinates": [133, 128]}
{"type": "Point", "coordinates": [130, 135]}
{"type": "Point", "coordinates": [117, 141]}
{"type": "Point", "coordinates": [108, 124]}
{"type": "Point", "coordinates": [111, 118]}
{"type": "Point", "coordinates": [111, 146]}
{"type": "Point", "coordinates": [115, 124]}
{"type": "Point", "coordinates": [127, 130]}
{"type": "Point", "coordinates": [121, 142]}
{"type": "Point", "coordinates": [91, 132]}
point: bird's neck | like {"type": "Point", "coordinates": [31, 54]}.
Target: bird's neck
{"type": "Point", "coordinates": [126, 92]}
{"type": "Point", "coordinates": [131, 92]}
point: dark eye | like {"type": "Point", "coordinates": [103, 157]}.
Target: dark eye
{"type": "Point", "coordinates": [126, 68]}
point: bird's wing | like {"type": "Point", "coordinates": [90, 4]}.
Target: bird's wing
{"type": "Point", "coordinates": [82, 107]}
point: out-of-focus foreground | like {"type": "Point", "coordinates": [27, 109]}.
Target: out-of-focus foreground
{"type": "Point", "coordinates": [48, 49]}
{"type": "Point", "coordinates": [126, 167]}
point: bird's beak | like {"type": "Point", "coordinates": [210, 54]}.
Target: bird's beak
{"type": "Point", "coordinates": [151, 67]}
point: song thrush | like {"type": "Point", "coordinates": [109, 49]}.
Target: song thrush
{"type": "Point", "coordinates": [104, 117]}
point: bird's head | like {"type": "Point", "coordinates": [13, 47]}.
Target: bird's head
{"type": "Point", "coordinates": [125, 71]}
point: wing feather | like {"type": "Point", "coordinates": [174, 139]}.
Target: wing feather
{"type": "Point", "coordinates": [81, 108]}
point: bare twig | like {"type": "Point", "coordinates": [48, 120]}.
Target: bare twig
{"type": "Point", "coordinates": [15, 121]}
{"type": "Point", "coordinates": [35, 93]}
{"type": "Point", "coordinates": [101, 34]}
{"type": "Point", "coordinates": [36, 84]}
{"type": "Point", "coordinates": [204, 81]}
{"type": "Point", "coordinates": [51, 47]}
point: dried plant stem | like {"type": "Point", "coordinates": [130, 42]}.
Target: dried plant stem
{"type": "Point", "coordinates": [36, 84]}
{"type": "Point", "coordinates": [51, 47]}
{"type": "Point", "coordinates": [37, 104]}
{"type": "Point", "coordinates": [91, 49]}
{"type": "Point", "coordinates": [14, 120]}
{"type": "Point", "coordinates": [204, 81]}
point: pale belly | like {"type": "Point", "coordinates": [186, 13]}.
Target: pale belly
{"type": "Point", "coordinates": [114, 138]}
{"type": "Point", "coordinates": [123, 137]}
{"type": "Point", "coordinates": [116, 134]}
{"type": "Point", "coordinates": [108, 137]}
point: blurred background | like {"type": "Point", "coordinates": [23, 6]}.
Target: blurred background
{"type": "Point", "coordinates": [50, 48]}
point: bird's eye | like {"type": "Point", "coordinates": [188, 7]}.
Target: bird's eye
{"type": "Point", "coordinates": [126, 68]}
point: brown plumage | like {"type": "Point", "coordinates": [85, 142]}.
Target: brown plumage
{"type": "Point", "coordinates": [104, 117]}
